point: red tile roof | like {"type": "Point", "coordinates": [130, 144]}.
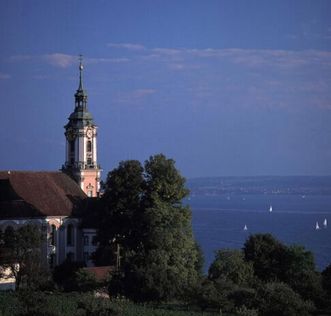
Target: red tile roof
{"type": "Point", "coordinates": [100, 273]}
{"type": "Point", "coordinates": [35, 194]}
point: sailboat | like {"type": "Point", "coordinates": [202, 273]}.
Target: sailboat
{"type": "Point", "coordinates": [245, 227]}
{"type": "Point", "coordinates": [317, 226]}
{"type": "Point", "coordinates": [325, 223]}
{"type": "Point", "coordinates": [270, 208]}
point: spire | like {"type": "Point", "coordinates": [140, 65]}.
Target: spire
{"type": "Point", "coordinates": [81, 95]}
{"type": "Point", "coordinates": [80, 87]}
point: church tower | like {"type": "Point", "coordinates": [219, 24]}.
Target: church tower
{"type": "Point", "coordinates": [81, 144]}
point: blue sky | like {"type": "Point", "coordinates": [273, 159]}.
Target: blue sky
{"type": "Point", "coordinates": [231, 87]}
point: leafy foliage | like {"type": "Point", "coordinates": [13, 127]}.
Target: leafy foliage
{"type": "Point", "coordinates": [244, 311]}
{"type": "Point", "coordinates": [267, 255]}
{"type": "Point", "coordinates": [299, 272]}
{"type": "Point", "coordinates": [326, 279]}
{"type": "Point", "coordinates": [144, 215]}
{"type": "Point", "coordinates": [163, 181]}
{"type": "Point", "coordinates": [85, 281]}
{"type": "Point", "coordinates": [120, 219]}
{"type": "Point", "coordinates": [230, 265]}
{"type": "Point", "coordinates": [205, 295]}
{"type": "Point", "coordinates": [74, 304]}
{"type": "Point", "coordinates": [278, 299]}
{"type": "Point", "coordinates": [64, 275]}
{"type": "Point", "coordinates": [22, 249]}
{"type": "Point", "coordinates": [293, 265]}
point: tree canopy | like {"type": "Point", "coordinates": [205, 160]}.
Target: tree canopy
{"type": "Point", "coordinates": [145, 216]}
{"type": "Point", "coordinates": [120, 220]}
{"type": "Point", "coordinates": [267, 255]}
{"type": "Point", "coordinates": [231, 265]}
{"type": "Point", "coordinates": [22, 255]}
{"type": "Point", "coordinates": [279, 299]}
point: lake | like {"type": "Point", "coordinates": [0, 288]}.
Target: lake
{"type": "Point", "coordinates": [218, 221]}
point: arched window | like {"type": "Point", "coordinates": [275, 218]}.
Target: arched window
{"type": "Point", "coordinates": [52, 236]}
{"type": "Point", "coordinates": [70, 256]}
{"type": "Point", "coordinates": [89, 146]}
{"type": "Point", "coordinates": [72, 146]}
{"type": "Point", "coordinates": [70, 235]}
{"type": "Point", "coordinates": [9, 236]}
{"type": "Point", "coordinates": [52, 260]}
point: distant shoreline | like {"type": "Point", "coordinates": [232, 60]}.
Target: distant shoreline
{"type": "Point", "coordinates": [278, 185]}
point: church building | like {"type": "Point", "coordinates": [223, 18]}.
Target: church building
{"type": "Point", "coordinates": [56, 201]}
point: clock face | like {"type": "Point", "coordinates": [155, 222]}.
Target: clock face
{"type": "Point", "coordinates": [89, 133]}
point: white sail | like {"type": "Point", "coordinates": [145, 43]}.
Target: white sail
{"type": "Point", "coordinates": [270, 208]}
{"type": "Point", "coordinates": [325, 223]}
{"type": "Point", "coordinates": [317, 226]}
{"type": "Point", "coordinates": [245, 227]}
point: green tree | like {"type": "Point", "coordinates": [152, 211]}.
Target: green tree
{"type": "Point", "coordinates": [278, 299]}
{"type": "Point", "coordinates": [64, 275]}
{"type": "Point", "coordinates": [206, 295]}
{"type": "Point", "coordinates": [232, 277]}
{"type": "Point", "coordinates": [200, 259]}
{"type": "Point", "coordinates": [267, 255]}
{"type": "Point", "coordinates": [231, 265]}
{"type": "Point", "coordinates": [326, 279]}
{"type": "Point", "coordinates": [299, 272]}
{"type": "Point", "coordinates": [85, 281]}
{"type": "Point", "coordinates": [163, 261]}
{"type": "Point", "coordinates": [22, 248]}
{"type": "Point", "coordinates": [170, 253]}
{"type": "Point", "coordinates": [163, 182]}
{"type": "Point", "coordinates": [119, 223]}
{"type": "Point", "coordinates": [244, 311]}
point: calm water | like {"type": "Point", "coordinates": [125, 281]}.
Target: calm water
{"type": "Point", "coordinates": [218, 222]}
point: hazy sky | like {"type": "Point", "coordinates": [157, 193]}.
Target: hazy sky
{"type": "Point", "coordinates": [230, 87]}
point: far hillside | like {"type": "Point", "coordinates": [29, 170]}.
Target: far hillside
{"type": "Point", "coordinates": [303, 185]}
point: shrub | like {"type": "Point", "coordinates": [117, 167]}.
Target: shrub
{"type": "Point", "coordinates": [278, 299]}
{"type": "Point", "coordinates": [64, 275]}
{"type": "Point", "coordinates": [230, 265]}
{"type": "Point", "coordinates": [326, 279]}
{"type": "Point", "coordinates": [96, 307]}
{"type": "Point", "coordinates": [85, 281]}
{"type": "Point", "coordinates": [244, 311]}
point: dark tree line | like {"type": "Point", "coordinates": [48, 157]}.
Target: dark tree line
{"type": "Point", "coordinates": [265, 278]}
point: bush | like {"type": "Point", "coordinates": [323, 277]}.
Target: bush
{"type": "Point", "coordinates": [207, 296]}
{"type": "Point", "coordinates": [85, 281]}
{"type": "Point", "coordinates": [278, 299]}
{"type": "Point", "coordinates": [266, 254]}
{"type": "Point", "coordinates": [326, 279]}
{"type": "Point", "coordinates": [244, 311]}
{"type": "Point", "coordinates": [243, 297]}
{"type": "Point", "coordinates": [65, 273]}
{"type": "Point", "coordinates": [76, 304]}
{"type": "Point", "coordinates": [96, 307]}
{"type": "Point", "coordinates": [10, 304]}
{"type": "Point", "coordinates": [35, 303]}
{"type": "Point", "coordinates": [230, 265]}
